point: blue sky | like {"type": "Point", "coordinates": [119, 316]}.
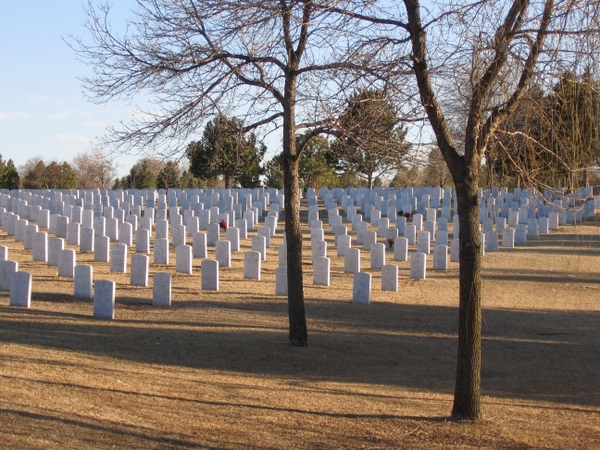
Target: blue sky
{"type": "Point", "coordinates": [42, 107]}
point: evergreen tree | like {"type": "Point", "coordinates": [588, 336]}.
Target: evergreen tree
{"type": "Point", "coordinates": [274, 173]}
{"type": "Point", "coordinates": [250, 172]}
{"type": "Point", "coordinates": [169, 177]}
{"type": "Point", "coordinates": [370, 141]}
{"type": "Point", "coordinates": [10, 176]}
{"type": "Point", "coordinates": [225, 150]}
{"type": "Point", "coordinates": [318, 163]}
{"type": "Point", "coordinates": [188, 180]}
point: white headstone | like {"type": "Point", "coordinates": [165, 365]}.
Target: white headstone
{"type": "Point", "coordinates": [161, 251]}
{"type": "Point", "coordinates": [83, 281]}
{"type": "Point", "coordinates": [40, 247]}
{"type": "Point", "coordinates": [389, 278]}
{"type": "Point", "coordinates": [73, 231]}
{"type": "Point", "coordinates": [99, 226]}
{"type": "Point", "coordinates": [361, 292]}
{"type": "Point", "coordinates": [410, 233]}
{"type": "Point", "coordinates": [491, 241]}
{"type": "Point", "coordinates": [242, 225]}
{"type": "Point", "coordinates": [213, 235]}
{"type": "Point", "coordinates": [250, 219]}
{"type": "Point", "coordinates": [179, 233]}
{"type": "Point", "coordinates": [126, 234]}
{"type": "Point", "coordinates": [424, 242]}
{"type": "Point", "coordinates": [223, 253]}
{"type": "Point", "coordinates": [259, 244]}
{"type": "Point", "coordinates": [281, 284]}
{"type": "Point", "coordinates": [319, 249]}
{"type": "Point", "coordinates": [61, 226]}
{"type": "Point", "coordinates": [86, 241]}
{"type": "Point", "coordinates": [55, 246]}
{"type": "Point", "coordinates": [508, 237]}
{"type": "Point", "coordinates": [101, 249]}
{"type": "Point", "coordinates": [112, 228]}
{"type": "Point", "coordinates": [66, 263]}
{"type": "Point", "coordinates": [418, 266]}
{"type": "Point", "coordinates": [544, 225]}
{"type": "Point", "coordinates": [7, 269]}
{"type": "Point", "coordinates": [440, 257]}
{"type": "Point", "coordinates": [282, 253]}
{"type": "Point", "coordinates": [252, 261]}
{"type": "Point", "coordinates": [441, 238]}
{"type": "Point", "coordinates": [162, 229]}
{"type": "Point", "coordinates": [104, 299]}
{"type": "Point", "coordinates": [199, 245]}
{"type": "Point", "coordinates": [20, 289]}
{"type": "Point", "coordinates": [370, 238]}
{"type": "Point", "coordinates": [118, 258]}
{"type": "Point", "coordinates": [417, 221]}
{"type": "Point", "coordinates": [401, 249]}
{"type": "Point", "coordinates": [343, 243]}
{"type": "Point", "coordinates": [142, 240]}
{"type": "Point", "coordinates": [382, 226]}
{"type": "Point", "coordinates": [161, 289]}
{"type": "Point", "coordinates": [521, 234]}
{"type": "Point", "coordinates": [210, 275]}
{"type": "Point", "coordinates": [264, 231]}
{"type": "Point", "coordinates": [30, 231]}
{"type": "Point", "coordinates": [377, 255]}
{"type": "Point", "coordinates": [532, 227]}
{"type": "Point", "coordinates": [513, 219]}
{"type": "Point", "coordinates": [321, 271]}
{"type": "Point", "coordinates": [233, 235]}
{"type": "Point", "coordinates": [139, 270]}
{"type": "Point", "coordinates": [352, 261]}
{"type": "Point", "coordinates": [454, 250]}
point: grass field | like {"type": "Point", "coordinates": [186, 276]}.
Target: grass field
{"type": "Point", "coordinates": [215, 369]}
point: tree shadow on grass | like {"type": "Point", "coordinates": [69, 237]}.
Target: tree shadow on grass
{"type": "Point", "coordinates": [537, 355]}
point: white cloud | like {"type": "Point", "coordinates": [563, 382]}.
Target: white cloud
{"type": "Point", "coordinates": [98, 124]}
{"type": "Point", "coordinates": [67, 137]}
{"type": "Point", "coordinates": [13, 115]}
{"type": "Point", "coordinates": [38, 98]}
{"type": "Point", "coordinates": [61, 115]}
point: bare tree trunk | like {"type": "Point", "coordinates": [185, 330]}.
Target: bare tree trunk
{"type": "Point", "coordinates": [297, 317]}
{"type": "Point", "coordinates": [291, 159]}
{"type": "Point", "coordinates": [467, 404]}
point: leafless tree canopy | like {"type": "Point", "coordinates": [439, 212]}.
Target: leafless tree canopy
{"type": "Point", "coordinates": [94, 169]}
{"type": "Point", "coordinates": [202, 59]}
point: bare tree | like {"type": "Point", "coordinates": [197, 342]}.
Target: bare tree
{"type": "Point", "coordinates": [82, 165]}
{"type": "Point", "coordinates": [277, 65]}
{"type": "Point", "coordinates": [499, 47]}
{"type": "Point", "coordinates": [472, 63]}
{"type": "Point", "coordinates": [94, 169]}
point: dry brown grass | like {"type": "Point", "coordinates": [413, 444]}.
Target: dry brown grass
{"type": "Point", "coordinates": [215, 370]}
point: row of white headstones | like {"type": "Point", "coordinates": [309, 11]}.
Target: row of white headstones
{"type": "Point", "coordinates": [96, 233]}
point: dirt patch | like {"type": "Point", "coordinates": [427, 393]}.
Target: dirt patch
{"type": "Point", "coordinates": [215, 370]}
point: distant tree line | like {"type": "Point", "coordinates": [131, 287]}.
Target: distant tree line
{"type": "Point", "coordinates": [552, 139]}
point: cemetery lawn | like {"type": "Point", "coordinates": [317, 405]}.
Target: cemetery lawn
{"type": "Point", "coordinates": [215, 369]}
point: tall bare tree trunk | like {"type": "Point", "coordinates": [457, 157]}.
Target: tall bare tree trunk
{"type": "Point", "coordinates": [298, 333]}
{"type": "Point", "coordinates": [297, 317]}
{"type": "Point", "coordinates": [468, 372]}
